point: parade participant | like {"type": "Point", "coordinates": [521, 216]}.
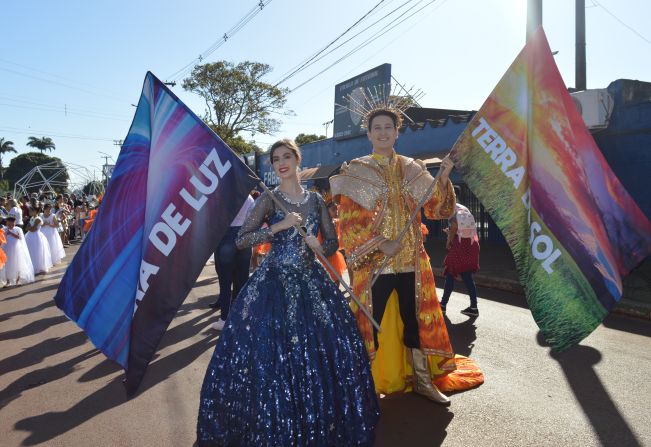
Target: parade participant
{"type": "Point", "coordinates": [377, 196]}
{"type": "Point", "coordinates": [290, 368]}
{"type": "Point", "coordinates": [38, 246]}
{"type": "Point", "coordinates": [51, 231]}
{"type": "Point", "coordinates": [232, 265]}
{"type": "Point", "coordinates": [92, 214]}
{"type": "Point", "coordinates": [463, 256]}
{"type": "Point", "coordinates": [16, 211]}
{"type": "Point", "coordinates": [24, 208]}
{"type": "Point", "coordinates": [62, 213]}
{"type": "Point", "coordinates": [18, 269]}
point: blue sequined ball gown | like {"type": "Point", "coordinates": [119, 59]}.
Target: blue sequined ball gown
{"type": "Point", "coordinates": [290, 368]}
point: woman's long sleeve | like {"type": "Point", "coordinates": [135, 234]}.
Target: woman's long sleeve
{"type": "Point", "coordinates": [330, 240]}
{"type": "Point", "coordinates": [251, 232]}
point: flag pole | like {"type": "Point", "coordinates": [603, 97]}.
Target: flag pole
{"type": "Point", "coordinates": [323, 259]}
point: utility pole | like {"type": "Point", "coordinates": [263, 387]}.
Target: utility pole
{"type": "Point", "coordinates": [327, 124]}
{"type": "Point", "coordinates": [580, 82]}
{"type": "Point", "coordinates": [534, 16]}
{"type": "Point", "coordinates": [106, 158]}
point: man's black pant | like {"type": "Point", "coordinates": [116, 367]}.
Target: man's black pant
{"type": "Point", "coordinates": [405, 285]}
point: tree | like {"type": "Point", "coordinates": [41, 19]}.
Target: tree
{"type": "Point", "coordinates": [42, 144]}
{"type": "Point", "coordinates": [6, 146]}
{"type": "Point", "coordinates": [237, 99]}
{"type": "Point", "coordinates": [23, 163]}
{"type": "Point", "coordinates": [93, 188]}
{"type": "Point", "coordinates": [303, 138]}
{"type": "Point", "coordinates": [237, 143]}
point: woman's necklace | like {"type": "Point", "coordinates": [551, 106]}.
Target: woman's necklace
{"type": "Point", "coordinates": [302, 197]}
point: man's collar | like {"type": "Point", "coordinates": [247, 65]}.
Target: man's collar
{"type": "Point", "coordinates": [383, 160]}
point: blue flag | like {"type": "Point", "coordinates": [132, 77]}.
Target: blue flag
{"type": "Point", "coordinates": [175, 189]}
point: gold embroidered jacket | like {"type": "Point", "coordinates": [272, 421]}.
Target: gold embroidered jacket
{"type": "Point", "coordinates": [376, 200]}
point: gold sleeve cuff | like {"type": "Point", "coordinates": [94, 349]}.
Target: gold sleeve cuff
{"type": "Point", "coordinates": [447, 200]}
{"type": "Point", "coordinates": [365, 252]}
{"type": "Point", "coordinates": [442, 204]}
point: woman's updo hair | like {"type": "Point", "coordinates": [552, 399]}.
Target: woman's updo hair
{"type": "Point", "coordinates": [289, 144]}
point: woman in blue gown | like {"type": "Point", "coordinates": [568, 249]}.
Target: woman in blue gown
{"type": "Point", "coordinates": [290, 368]}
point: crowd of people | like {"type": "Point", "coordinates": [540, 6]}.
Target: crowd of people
{"type": "Point", "coordinates": [35, 231]}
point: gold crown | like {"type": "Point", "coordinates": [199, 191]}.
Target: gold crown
{"type": "Point", "coordinates": [365, 102]}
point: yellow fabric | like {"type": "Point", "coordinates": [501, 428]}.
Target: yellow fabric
{"type": "Point", "coordinates": [391, 368]}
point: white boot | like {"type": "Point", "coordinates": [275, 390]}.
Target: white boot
{"type": "Point", "coordinates": [422, 381]}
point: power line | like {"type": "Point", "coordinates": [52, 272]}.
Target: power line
{"type": "Point", "coordinates": [68, 107]}
{"type": "Point", "coordinates": [382, 48]}
{"type": "Point", "coordinates": [596, 3]}
{"type": "Point", "coordinates": [51, 134]}
{"type": "Point", "coordinates": [378, 34]}
{"type": "Point", "coordinates": [70, 81]}
{"type": "Point", "coordinates": [65, 110]}
{"type": "Point", "coordinates": [177, 75]}
{"type": "Point", "coordinates": [365, 29]}
{"type": "Point", "coordinates": [63, 84]}
{"type": "Point", "coordinates": [299, 67]}
{"type": "Point", "coordinates": [356, 67]}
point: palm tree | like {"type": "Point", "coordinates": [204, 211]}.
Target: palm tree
{"type": "Point", "coordinates": [5, 147]}
{"type": "Point", "coordinates": [42, 144]}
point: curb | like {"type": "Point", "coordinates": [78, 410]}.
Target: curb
{"type": "Point", "coordinates": [491, 282]}
{"type": "Point", "coordinates": [634, 309]}
{"type": "Point", "coordinates": [625, 306]}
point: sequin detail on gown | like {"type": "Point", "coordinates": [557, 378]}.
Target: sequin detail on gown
{"type": "Point", "coordinates": [290, 368]}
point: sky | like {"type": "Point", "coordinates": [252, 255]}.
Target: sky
{"type": "Point", "coordinates": [72, 70]}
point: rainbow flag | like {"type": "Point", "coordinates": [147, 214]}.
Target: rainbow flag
{"type": "Point", "coordinates": [174, 191]}
{"type": "Point", "coordinates": [572, 227]}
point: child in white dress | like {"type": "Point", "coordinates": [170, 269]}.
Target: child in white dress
{"type": "Point", "coordinates": [39, 247]}
{"type": "Point", "coordinates": [50, 229]}
{"type": "Point", "coordinates": [18, 269]}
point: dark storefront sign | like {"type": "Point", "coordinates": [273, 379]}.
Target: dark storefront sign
{"type": "Point", "coordinates": [375, 82]}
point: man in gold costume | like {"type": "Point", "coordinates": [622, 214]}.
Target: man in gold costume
{"type": "Point", "coordinates": [377, 195]}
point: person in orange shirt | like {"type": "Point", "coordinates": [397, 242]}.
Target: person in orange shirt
{"type": "Point", "coordinates": [88, 223]}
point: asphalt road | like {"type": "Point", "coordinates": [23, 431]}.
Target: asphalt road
{"type": "Point", "coordinates": [57, 390]}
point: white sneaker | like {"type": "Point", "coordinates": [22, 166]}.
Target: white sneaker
{"type": "Point", "coordinates": [218, 325]}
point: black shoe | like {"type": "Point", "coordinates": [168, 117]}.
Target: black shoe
{"type": "Point", "coordinates": [443, 306]}
{"type": "Point", "coordinates": [471, 311]}
{"type": "Point", "coordinates": [215, 305]}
